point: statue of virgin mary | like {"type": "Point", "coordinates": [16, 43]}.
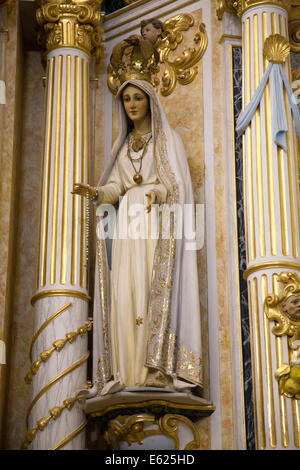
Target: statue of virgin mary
{"type": "Point", "coordinates": [146, 328]}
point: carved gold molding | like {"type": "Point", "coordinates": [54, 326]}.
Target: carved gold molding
{"type": "Point", "coordinates": [58, 345]}
{"type": "Point", "coordinates": [132, 429]}
{"type": "Point", "coordinates": [70, 23]}
{"type": "Point", "coordinates": [60, 293]}
{"type": "Point", "coordinates": [183, 69]}
{"type": "Point", "coordinates": [240, 6]}
{"type": "Point", "coordinates": [292, 6]}
{"type": "Point", "coordinates": [284, 310]}
{"type": "Point", "coordinates": [70, 437]}
{"type": "Point", "coordinates": [46, 323]}
{"type": "Point", "coordinates": [276, 49]}
{"type": "Point", "coordinates": [42, 423]}
{"type": "Point", "coordinates": [54, 381]}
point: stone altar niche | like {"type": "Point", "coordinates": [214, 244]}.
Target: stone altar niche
{"type": "Point", "coordinates": [149, 417]}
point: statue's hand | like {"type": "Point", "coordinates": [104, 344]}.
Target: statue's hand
{"type": "Point", "coordinates": [151, 200]}
{"type": "Point", "coordinates": [84, 190]}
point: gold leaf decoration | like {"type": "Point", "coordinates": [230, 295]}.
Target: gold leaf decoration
{"type": "Point", "coordinates": [69, 403]}
{"type": "Point", "coordinates": [42, 423]}
{"type": "Point", "coordinates": [284, 310]}
{"type": "Point", "coordinates": [70, 23]}
{"type": "Point", "coordinates": [136, 428]}
{"type": "Point", "coordinates": [276, 49]}
{"type": "Point", "coordinates": [46, 354]}
{"type": "Point", "coordinates": [132, 54]}
{"type": "Point", "coordinates": [58, 345]}
{"type": "Point", "coordinates": [56, 412]}
{"type": "Point", "coordinates": [183, 69]}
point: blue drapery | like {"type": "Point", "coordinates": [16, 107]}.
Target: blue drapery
{"type": "Point", "coordinates": [278, 79]}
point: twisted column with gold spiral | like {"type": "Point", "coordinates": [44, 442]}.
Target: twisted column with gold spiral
{"type": "Point", "coordinates": [272, 216]}
{"type": "Point", "coordinates": [71, 34]}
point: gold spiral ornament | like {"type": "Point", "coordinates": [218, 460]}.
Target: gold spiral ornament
{"type": "Point", "coordinates": [276, 49]}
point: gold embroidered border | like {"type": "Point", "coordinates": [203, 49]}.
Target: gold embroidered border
{"type": "Point", "coordinates": [164, 262]}
{"type": "Point", "coordinates": [104, 371]}
{"type": "Point", "coordinates": [165, 351]}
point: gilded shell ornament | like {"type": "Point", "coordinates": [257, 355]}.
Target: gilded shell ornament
{"type": "Point", "coordinates": [276, 49]}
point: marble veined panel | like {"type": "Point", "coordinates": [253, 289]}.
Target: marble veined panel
{"type": "Point", "coordinates": [246, 346]}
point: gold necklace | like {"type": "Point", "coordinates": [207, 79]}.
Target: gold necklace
{"type": "Point", "coordinates": [137, 178]}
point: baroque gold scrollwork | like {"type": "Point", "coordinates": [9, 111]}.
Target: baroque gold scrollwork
{"type": "Point", "coordinates": [226, 5]}
{"type": "Point", "coordinates": [284, 310]}
{"type": "Point", "coordinates": [183, 69]}
{"type": "Point", "coordinates": [136, 428]}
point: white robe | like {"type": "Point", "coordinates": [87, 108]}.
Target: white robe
{"type": "Point", "coordinates": [132, 261]}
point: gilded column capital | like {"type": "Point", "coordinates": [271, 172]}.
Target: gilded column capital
{"type": "Point", "coordinates": [70, 23]}
{"type": "Point", "coordinates": [240, 6]}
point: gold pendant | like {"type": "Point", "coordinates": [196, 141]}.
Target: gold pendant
{"type": "Point", "coordinates": [137, 178]}
{"type": "Point", "coordinates": [137, 145]}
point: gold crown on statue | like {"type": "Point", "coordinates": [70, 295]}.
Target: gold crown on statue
{"type": "Point", "coordinates": [134, 57]}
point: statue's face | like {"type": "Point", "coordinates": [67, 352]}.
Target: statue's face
{"type": "Point", "coordinates": [292, 307]}
{"type": "Point", "coordinates": [136, 103]}
{"type": "Point", "coordinates": [151, 33]}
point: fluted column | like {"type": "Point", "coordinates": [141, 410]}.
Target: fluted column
{"type": "Point", "coordinates": [272, 216]}
{"type": "Point", "coordinates": [71, 34]}
{"type": "Point", "coordinates": [272, 225]}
